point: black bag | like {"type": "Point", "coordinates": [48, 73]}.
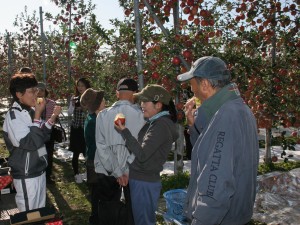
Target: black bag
{"type": "Point", "coordinates": [58, 133]}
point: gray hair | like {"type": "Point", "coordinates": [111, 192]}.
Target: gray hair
{"type": "Point", "coordinates": [216, 84]}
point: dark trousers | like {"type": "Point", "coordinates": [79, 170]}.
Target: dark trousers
{"type": "Point", "coordinates": [188, 145]}
{"type": "Point", "coordinates": [50, 149]}
{"type": "Point", "coordinates": [95, 198]}
{"type": "Point", "coordinates": [111, 210]}
{"type": "Point", "coordinates": [77, 146]}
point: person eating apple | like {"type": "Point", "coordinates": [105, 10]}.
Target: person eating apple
{"type": "Point", "coordinates": [151, 149]}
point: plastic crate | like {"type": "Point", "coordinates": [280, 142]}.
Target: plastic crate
{"type": "Point", "coordinates": [175, 202]}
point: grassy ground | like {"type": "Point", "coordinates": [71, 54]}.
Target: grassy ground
{"type": "Point", "coordinates": [71, 199]}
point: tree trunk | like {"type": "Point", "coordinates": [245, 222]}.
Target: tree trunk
{"type": "Point", "coordinates": [179, 150]}
{"type": "Point", "coordinates": [268, 146]}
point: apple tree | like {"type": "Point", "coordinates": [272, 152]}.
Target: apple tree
{"type": "Point", "coordinates": [259, 40]}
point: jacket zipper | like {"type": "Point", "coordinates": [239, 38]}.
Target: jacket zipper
{"type": "Point", "coordinates": [45, 160]}
{"type": "Point", "coordinates": [27, 163]}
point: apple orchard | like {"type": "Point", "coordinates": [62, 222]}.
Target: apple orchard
{"type": "Point", "coordinates": [258, 39]}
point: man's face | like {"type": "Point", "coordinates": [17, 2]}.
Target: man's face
{"type": "Point", "coordinates": [196, 88]}
{"type": "Point", "coordinates": [29, 97]}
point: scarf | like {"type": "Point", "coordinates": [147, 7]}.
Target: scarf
{"type": "Point", "coordinates": [210, 106]}
{"type": "Point", "coordinates": [156, 116]}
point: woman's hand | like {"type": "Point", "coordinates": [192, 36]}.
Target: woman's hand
{"type": "Point", "coordinates": [39, 108]}
{"type": "Point", "coordinates": [119, 126]}
{"type": "Point", "coordinates": [56, 111]}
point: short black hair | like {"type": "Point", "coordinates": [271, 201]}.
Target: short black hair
{"type": "Point", "coordinates": [20, 82]}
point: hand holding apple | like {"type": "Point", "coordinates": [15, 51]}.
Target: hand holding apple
{"type": "Point", "coordinates": [120, 121]}
{"type": "Point", "coordinates": [120, 117]}
{"type": "Point", "coordinates": [39, 100]}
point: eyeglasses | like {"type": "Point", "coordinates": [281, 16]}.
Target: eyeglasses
{"type": "Point", "coordinates": [32, 90]}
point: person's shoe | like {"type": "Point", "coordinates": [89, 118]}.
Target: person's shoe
{"type": "Point", "coordinates": [78, 178]}
{"type": "Point", "coordinates": [83, 177]}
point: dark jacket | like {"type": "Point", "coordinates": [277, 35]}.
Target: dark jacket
{"type": "Point", "coordinates": [25, 142]}
{"type": "Point", "coordinates": [151, 149]}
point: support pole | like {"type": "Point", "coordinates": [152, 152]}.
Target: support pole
{"type": "Point", "coordinates": [43, 45]}
{"type": "Point", "coordinates": [138, 43]}
{"type": "Point", "coordinates": [69, 49]}
{"type": "Point", "coordinates": [179, 150]}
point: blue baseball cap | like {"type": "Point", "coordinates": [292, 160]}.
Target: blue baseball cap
{"type": "Point", "coordinates": [209, 67]}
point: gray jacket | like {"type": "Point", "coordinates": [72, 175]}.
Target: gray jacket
{"type": "Point", "coordinates": [222, 187]}
{"type": "Point", "coordinates": [112, 157]}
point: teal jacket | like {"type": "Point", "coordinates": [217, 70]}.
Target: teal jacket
{"type": "Point", "coordinates": [89, 135]}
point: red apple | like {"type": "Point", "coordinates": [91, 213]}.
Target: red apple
{"type": "Point", "coordinates": [120, 117]}
{"type": "Point", "coordinates": [179, 106]}
{"type": "Point", "coordinates": [274, 158]}
{"type": "Point", "coordinates": [176, 60]}
{"type": "Point", "coordinates": [155, 75]}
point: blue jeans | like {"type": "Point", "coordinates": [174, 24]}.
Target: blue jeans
{"type": "Point", "coordinates": [144, 200]}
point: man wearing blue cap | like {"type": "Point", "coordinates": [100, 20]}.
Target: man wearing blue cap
{"type": "Point", "coordinates": [225, 151]}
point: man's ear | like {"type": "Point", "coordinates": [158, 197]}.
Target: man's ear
{"type": "Point", "coordinates": [19, 94]}
{"type": "Point", "coordinates": [117, 94]}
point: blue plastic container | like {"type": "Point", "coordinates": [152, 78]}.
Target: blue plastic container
{"type": "Point", "coordinates": [175, 202]}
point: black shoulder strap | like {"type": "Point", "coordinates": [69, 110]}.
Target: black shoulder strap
{"type": "Point", "coordinates": [12, 113]}
{"type": "Point", "coordinates": [58, 120]}
{"type": "Point", "coordinates": [15, 108]}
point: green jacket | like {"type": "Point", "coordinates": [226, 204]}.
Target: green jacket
{"type": "Point", "coordinates": [89, 135]}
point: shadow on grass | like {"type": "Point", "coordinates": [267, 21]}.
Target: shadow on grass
{"type": "Point", "coordinates": [69, 198]}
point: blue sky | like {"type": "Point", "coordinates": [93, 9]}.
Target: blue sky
{"type": "Point", "coordinates": [105, 10]}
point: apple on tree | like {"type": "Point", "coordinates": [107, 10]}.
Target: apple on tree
{"type": "Point", "coordinates": [119, 117]}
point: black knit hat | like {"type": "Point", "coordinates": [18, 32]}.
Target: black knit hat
{"type": "Point", "coordinates": [91, 99]}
